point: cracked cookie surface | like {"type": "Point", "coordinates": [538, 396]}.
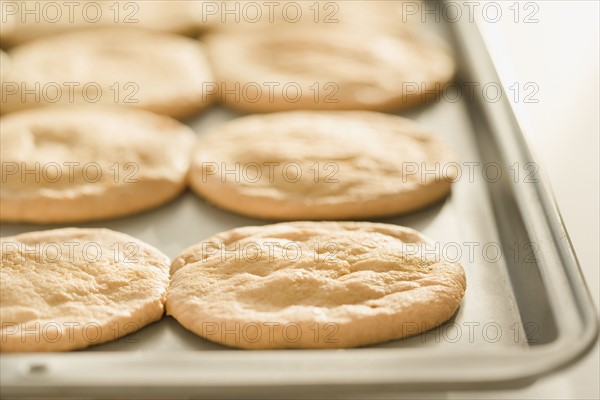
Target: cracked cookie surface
{"type": "Point", "coordinates": [313, 285]}
{"type": "Point", "coordinates": [71, 288]}
{"type": "Point", "coordinates": [322, 165]}
{"type": "Point", "coordinates": [84, 163]}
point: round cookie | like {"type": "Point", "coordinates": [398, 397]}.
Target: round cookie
{"type": "Point", "coordinates": [4, 63]}
{"type": "Point", "coordinates": [71, 288]}
{"type": "Point", "coordinates": [298, 69]}
{"type": "Point", "coordinates": [84, 163]}
{"type": "Point", "coordinates": [321, 165]}
{"type": "Point", "coordinates": [325, 15]}
{"type": "Point", "coordinates": [25, 22]}
{"type": "Point", "coordinates": [313, 285]}
{"type": "Point", "coordinates": [154, 71]}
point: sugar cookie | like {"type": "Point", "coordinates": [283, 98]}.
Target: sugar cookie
{"type": "Point", "coordinates": [313, 285]}
{"type": "Point", "coordinates": [24, 22]}
{"type": "Point", "coordinates": [84, 163]}
{"type": "Point", "coordinates": [316, 165]}
{"type": "Point", "coordinates": [159, 72]}
{"type": "Point", "coordinates": [338, 70]}
{"type": "Point", "coordinates": [71, 288]}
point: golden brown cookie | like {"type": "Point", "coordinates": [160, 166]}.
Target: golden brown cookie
{"type": "Point", "coordinates": [26, 21]}
{"type": "Point", "coordinates": [4, 63]}
{"type": "Point", "coordinates": [266, 71]}
{"type": "Point", "coordinates": [313, 285]}
{"type": "Point", "coordinates": [159, 72]}
{"type": "Point", "coordinates": [84, 163]}
{"type": "Point", "coordinates": [326, 15]}
{"type": "Point", "coordinates": [321, 165]}
{"type": "Point", "coordinates": [71, 288]}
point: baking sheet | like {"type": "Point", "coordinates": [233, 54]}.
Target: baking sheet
{"type": "Point", "coordinates": [506, 312]}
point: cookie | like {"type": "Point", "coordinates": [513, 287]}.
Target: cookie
{"type": "Point", "coordinates": [325, 15]}
{"type": "Point", "coordinates": [71, 288]}
{"type": "Point", "coordinates": [321, 165]}
{"type": "Point", "coordinates": [313, 285]}
{"type": "Point", "coordinates": [342, 70]}
{"type": "Point", "coordinates": [84, 163]}
{"type": "Point", "coordinates": [25, 22]}
{"type": "Point", "coordinates": [154, 71]}
{"type": "Point", "coordinates": [4, 63]}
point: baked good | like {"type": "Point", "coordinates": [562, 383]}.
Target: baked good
{"type": "Point", "coordinates": [323, 15]}
{"type": "Point", "coordinates": [71, 288]}
{"type": "Point", "coordinates": [313, 285]}
{"type": "Point", "coordinates": [159, 72]}
{"type": "Point", "coordinates": [268, 71]}
{"type": "Point", "coordinates": [321, 165]}
{"type": "Point", "coordinates": [24, 22]}
{"type": "Point", "coordinates": [4, 63]}
{"type": "Point", "coordinates": [84, 163]}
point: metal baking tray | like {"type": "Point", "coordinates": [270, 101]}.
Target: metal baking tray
{"type": "Point", "coordinates": [526, 312]}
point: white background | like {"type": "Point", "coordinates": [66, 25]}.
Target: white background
{"type": "Point", "coordinates": [560, 54]}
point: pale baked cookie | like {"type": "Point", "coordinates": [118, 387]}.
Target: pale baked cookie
{"type": "Point", "coordinates": [86, 163]}
{"type": "Point", "coordinates": [158, 72]}
{"type": "Point", "coordinates": [313, 285]}
{"type": "Point", "coordinates": [26, 21]}
{"type": "Point", "coordinates": [4, 63]}
{"type": "Point", "coordinates": [326, 15]}
{"type": "Point", "coordinates": [71, 288]}
{"type": "Point", "coordinates": [321, 165]}
{"type": "Point", "coordinates": [340, 70]}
